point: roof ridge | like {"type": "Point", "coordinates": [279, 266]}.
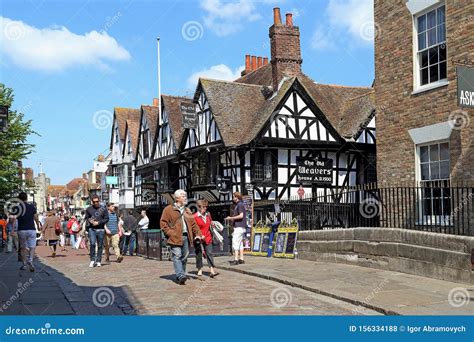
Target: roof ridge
{"type": "Point", "coordinates": [177, 96]}
{"type": "Point", "coordinates": [231, 82]}
{"type": "Point", "coordinates": [361, 95]}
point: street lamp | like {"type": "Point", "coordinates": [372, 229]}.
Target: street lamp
{"type": "Point", "coordinates": [3, 118]}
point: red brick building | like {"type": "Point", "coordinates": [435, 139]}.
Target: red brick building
{"type": "Point", "coordinates": [425, 132]}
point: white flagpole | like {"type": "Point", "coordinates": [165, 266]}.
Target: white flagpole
{"type": "Point", "coordinates": [159, 82]}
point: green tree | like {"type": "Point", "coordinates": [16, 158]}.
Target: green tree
{"type": "Point", "coordinates": [14, 146]}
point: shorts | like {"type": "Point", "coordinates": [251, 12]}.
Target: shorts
{"type": "Point", "coordinates": [237, 238]}
{"type": "Point", "coordinates": [27, 238]}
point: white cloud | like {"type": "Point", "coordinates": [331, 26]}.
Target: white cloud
{"type": "Point", "coordinates": [346, 22]}
{"type": "Point", "coordinates": [321, 39]}
{"type": "Point", "coordinates": [218, 72]}
{"type": "Point", "coordinates": [56, 48]}
{"type": "Point", "coordinates": [225, 17]}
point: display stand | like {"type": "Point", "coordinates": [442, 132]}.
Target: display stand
{"type": "Point", "coordinates": [285, 243]}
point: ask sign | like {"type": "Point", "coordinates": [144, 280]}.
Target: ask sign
{"type": "Point", "coordinates": [465, 86]}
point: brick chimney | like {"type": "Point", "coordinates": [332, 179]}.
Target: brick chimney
{"type": "Point", "coordinates": [252, 63]}
{"type": "Point", "coordinates": [285, 48]}
{"type": "Point", "coordinates": [155, 102]}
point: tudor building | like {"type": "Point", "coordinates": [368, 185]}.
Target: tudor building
{"type": "Point", "coordinates": [253, 133]}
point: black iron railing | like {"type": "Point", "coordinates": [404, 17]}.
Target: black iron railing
{"type": "Point", "coordinates": [427, 206]}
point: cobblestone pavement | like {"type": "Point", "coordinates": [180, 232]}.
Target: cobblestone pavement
{"type": "Point", "coordinates": [66, 285]}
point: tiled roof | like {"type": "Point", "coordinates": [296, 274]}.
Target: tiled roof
{"type": "Point", "coordinates": [121, 115]}
{"type": "Point", "coordinates": [151, 113]}
{"type": "Point", "coordinates": [261, 76]}
{"type": "Point", "coordinates": [172, 107]}
{"type": "Point", "coordinates": [344, 114]}
{"type": "Point", "coordinates": [242, 110]}
{"type": "Point", "coordinates": [133, 127]}
{"type": "Point", "coordinates": [75, 184]}
{"type": "Point", "coordinates": [359, 109]}
{"type": "Point", "coordinates": [234, 106]}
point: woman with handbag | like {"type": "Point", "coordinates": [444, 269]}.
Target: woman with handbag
{"type": "Point", "coordinates": [203, 219]}
{"type": "Point", "coordinates": [74, 228]}
{"type": "Point", "coordinates": [51, 231]}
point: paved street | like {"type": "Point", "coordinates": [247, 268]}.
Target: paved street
{"type": "Point", "coordinates": [65, 285]}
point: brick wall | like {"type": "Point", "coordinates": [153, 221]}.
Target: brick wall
{"type": "Point", "coordinates": [398, 110]}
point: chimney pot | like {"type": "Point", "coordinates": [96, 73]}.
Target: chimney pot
{"type": "Point", "coordinates": [259, 62]}
{"type": "Point", "coordinates": [254, 63]}
{"type": "Point", "coordinates": [247, 63]}
{"type": "Point", "coordinates": [289, 19]}
{"type": "Point", "coordinates": [276, 16]}
{"type": "Point", "coordinates": [265, 60]}
{"type": "Point", "coordinates": [155, 102]}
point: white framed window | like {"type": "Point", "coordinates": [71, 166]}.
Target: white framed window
{"type": "Point", "coordinates": [430, 48]}
{"type": "Point", "coordinates": [434, 195]}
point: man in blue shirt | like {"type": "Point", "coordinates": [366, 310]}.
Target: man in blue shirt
{"type": "Point", "coordinates": [240, 227]}
{"type": "Point", "coordinates": [112, 236]}
{"type": "Point", "coordinates": [26, 219]}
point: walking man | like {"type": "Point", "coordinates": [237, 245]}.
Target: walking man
{"type": "Point", "coordinates": [112, 234]}
{"type": "Point", "coordinates": [240, 225]}
{"type": "Point", "coordinates": [178, 224]}
{"type": "Point", "coordinates": [96, 217]}
{"type": "Point", "coordinates": [130, 234]}
{"type": "Point", "coordinates": [27, 232]}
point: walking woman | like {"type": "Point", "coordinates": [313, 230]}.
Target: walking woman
{"type": "Point", "coordinates": [12, 231]}
{"type": "Point", "coordinates": [203, 219]}
{"type": "Point", "coordinates": [51, 230]}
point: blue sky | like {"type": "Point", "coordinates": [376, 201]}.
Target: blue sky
{"type": "Point", "coordinates": [71, 62]}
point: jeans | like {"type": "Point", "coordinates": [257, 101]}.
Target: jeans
{"type": "Point", "coordinates": [180, 257]}
{"type": "Point", "coordinates": [73, 240]}
{"type": "Point", "coordinates": [96, 236]}
{"type": "Point", "coordinates": [199, 251]}
{"type": "Point", "coordinates": [129, 242]}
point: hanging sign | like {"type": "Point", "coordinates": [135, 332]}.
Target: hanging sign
{"type": "Point", "coordinates": [309, 171]}
{"type": "Point", "coordinates": [188, 110]}
{"type": "Point", "coordinates": [465, 77]}
{"type": "Point", "coordinates": [148, 192]}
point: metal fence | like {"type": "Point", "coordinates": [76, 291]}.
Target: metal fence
{"type": "Point", "coordinates": [436, 206]}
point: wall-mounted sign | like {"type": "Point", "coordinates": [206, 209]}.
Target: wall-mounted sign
{"type": "Point", "coordinates": [3, 118]}
{"type": "Point", "coordinates": [188, 110]}
{"type": "Point", "coordinates": [465, 77]}
{"type": "Point", "coordinates": [111, 180]}
{"type": "Point", "coordinates": [309, 170]}
{"type": "Point", "coordinates": [148, 192]}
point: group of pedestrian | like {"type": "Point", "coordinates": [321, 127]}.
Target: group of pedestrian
{"type": "Point", "coordinates": [182, 229]}
{"type": "Point", "coordinates": [106, 229]}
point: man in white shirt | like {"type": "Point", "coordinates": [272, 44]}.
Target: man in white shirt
{"type": "Point", "coordinates": [143, 223]}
